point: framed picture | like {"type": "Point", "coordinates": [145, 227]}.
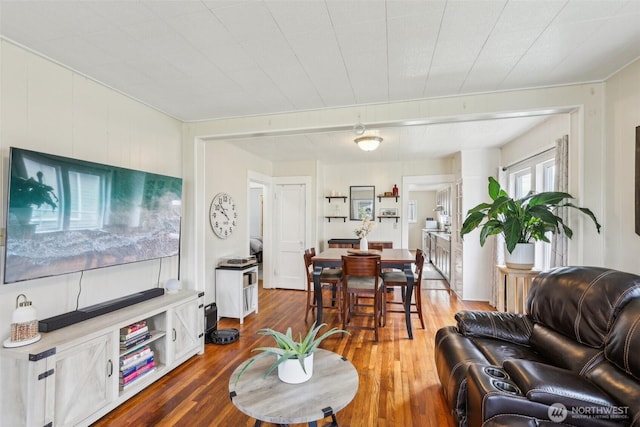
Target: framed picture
{"type": "Point", "coordinates": [389, 212]}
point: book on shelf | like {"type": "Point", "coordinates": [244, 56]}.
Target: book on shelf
{"type": "Point", "coordinates": [131, 368]}
{"type": "Point", "coordinates": [133, 327]}
{"type": "Point", "coordinates": [134, 356]}
{"type": "Point", "coordinates": [134, 341]}
{"type": "Point", "coordinates": [137, 373]}
{"type": "Point", "coordinates": [133, 334]}
{"type": "Point", "coordinates": [138, 378]}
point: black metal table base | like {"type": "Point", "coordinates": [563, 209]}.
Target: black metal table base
{"type": "Point", "coordinates": [333, 423]}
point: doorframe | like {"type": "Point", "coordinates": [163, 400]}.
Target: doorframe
{"type": "Point", "coordinates": [435, 181]}
{"type": "Point", "coordinates": [267, 231]}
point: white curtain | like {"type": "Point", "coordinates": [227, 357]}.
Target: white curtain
{"type": "Point", "coordinates": [498, 250]}
{"type": "Point", "coordinates": [559, 242]}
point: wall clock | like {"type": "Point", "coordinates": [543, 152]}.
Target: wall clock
{"type": "Point", "coordinates": [223, 215]}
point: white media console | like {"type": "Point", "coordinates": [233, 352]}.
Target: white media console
{"type": "Point", "coordinates": [72, 375]}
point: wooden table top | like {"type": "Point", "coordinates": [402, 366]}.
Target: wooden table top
{"type": "Point", "coordinates": [334, 384]}
{"type": "Point", "coordinates": [386, 255]}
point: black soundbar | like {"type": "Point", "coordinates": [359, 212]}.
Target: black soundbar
{"type": "Point", "coordinates": [72, 317]}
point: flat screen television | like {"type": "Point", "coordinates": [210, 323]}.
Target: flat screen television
{"type": "Point", "coordinates": [67, 215]}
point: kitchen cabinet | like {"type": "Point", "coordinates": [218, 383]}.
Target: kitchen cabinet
{"type": "Point", "coordinates": [443, 256]}
{"type": "Point", "coordinates": [439, 252]}
{"type": "Point", "coordinates": [456, 271]}
{"type": "Point", "coordinates": [425, 245]}
{"type": "Point", "coordinates": [433, 239]}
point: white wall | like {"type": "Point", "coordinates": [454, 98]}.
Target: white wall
{"type": "Point", "coordinates": [381, 175]}
{"type": "Point", "coordinates": [478, 262]}
{"type": "Point", "coordinates": [227, 171]}
{"type": "Point", "coordinates": [623, 115]}
{"type": "Point", "coordinates": [46, 107]}
{"type": "Point", "coordinates": [536, 140]}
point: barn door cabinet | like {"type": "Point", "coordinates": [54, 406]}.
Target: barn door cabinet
{"type": "Point", "coordinates": [72, 376]}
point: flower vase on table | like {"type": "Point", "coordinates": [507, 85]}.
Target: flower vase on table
{"type": "Point", "coordinates": [362, 232]}
{"type": "Point", "coordinates": [364, 244]}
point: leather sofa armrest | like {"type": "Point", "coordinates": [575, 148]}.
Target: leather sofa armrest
{"type": "Point", "coordinates": [509, 327]}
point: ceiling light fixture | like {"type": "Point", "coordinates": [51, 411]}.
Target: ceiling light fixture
{"type": "Point", "coordinates": [368, 143]}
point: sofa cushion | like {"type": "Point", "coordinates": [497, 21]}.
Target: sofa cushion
{"type": "Point", "coordinates": [497, 351]}
{"type": "Point", "coordinates": [581, 302]}
{"type": "Point", "coordinates": [564, 353]}
{"type": "Point", "coordinates": [505, 326]}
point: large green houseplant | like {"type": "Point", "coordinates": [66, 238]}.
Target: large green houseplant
{"type": "Point", "coordinates": [288, 349]}
{"type": "Point", "coordinates": [522, 220]}
{"type": "Point", "coordinates": [25, 193]}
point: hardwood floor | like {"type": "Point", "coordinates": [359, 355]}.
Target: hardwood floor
{"type": "Point", "coordinates": [398, 381]}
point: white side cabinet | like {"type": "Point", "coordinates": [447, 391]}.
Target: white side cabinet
{"type": "Point", "coordinates": [237, 291]}
{"type": "Point", "coordinates": [72, 375]}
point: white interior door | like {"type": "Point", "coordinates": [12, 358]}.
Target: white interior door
{"type": "Point", "coordinates": [292, 223]}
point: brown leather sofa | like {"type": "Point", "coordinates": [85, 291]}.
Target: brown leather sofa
{"type": "Point", "coordinates": [573, 359]}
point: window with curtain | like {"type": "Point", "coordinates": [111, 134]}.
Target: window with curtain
{"type": "Point", "coordinates": [534, 174]}
{"type": "Point", "coordinates": [84, 211]}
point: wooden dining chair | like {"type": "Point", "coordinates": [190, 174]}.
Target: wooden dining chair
{"type": "Point", "coordinates": [361, 278]}
{"type": "Point", "coordinates": [330, 278]}
{"type": "Point", "coordinates": [376, 246]}
{"type": "Point", "coordinates": [399, 279]}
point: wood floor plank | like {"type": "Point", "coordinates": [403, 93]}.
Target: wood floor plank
{"type": "Point", "coordinates": [398, 381]}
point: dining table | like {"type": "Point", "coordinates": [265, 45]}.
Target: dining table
{"type": "Point", "coordinates": [401, 259]}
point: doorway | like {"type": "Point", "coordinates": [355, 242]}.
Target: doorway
{"type": "Point", "coordinates": [256, 223]}
{"type": "Point", "coordinates": [259, 188]}
{"type": "Point", "coordinates": [291, 230]}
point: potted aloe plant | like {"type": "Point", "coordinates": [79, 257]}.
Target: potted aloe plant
{"type": "Point", "coordinates": [293, 359]}
{"type": "Point", "coordinates": [521, 221]}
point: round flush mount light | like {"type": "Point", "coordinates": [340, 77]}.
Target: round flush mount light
{"type": "Point", "coordinates": [368, 143]}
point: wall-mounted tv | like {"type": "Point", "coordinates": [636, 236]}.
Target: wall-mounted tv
{"type": "Point", "coordinates": [66, 215]}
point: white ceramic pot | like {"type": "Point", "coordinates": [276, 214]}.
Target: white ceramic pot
{"type": "Point", "coordinates": [522, 257]}
{"type": "Point", "coordinates": [291, 372]}
{"type": "Point", "coordinates": [364, 244]}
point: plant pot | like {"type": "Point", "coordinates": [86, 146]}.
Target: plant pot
{"type": "Point", "coordinates": [364, 244]}
{"type": "Point", "coordinates": [522, 257]}
{"type": "Point", "coordinates": [291, 372]}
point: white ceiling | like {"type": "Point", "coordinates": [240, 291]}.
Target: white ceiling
{"type": "Point", "coordinates": [197, 60]}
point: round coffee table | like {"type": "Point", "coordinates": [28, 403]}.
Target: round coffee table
{"type": "Point", "coordinates": [333, 385]}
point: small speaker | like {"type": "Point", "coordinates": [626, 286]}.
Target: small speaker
{"type": "Point", "coordinates": [210, 321]}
